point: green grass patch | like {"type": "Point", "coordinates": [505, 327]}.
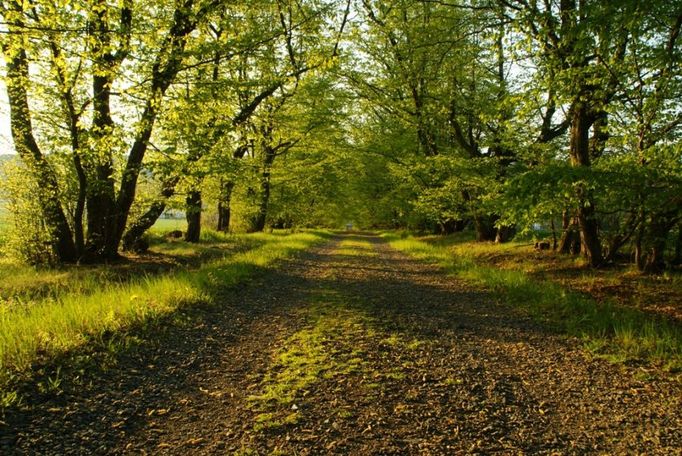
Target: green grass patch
{"type": "Point", "coordinates": [163, 225]}
{"type": "Point", "coordinates": [355, 247]}
{"type": "Point", "coordinates": [316, 352]}
{"type": "Point", "coordinates": [23, 285]}
{"type": "Point", "coordinates": [55, 325]}
{"type": "Point", "coordinates": [609, 330]}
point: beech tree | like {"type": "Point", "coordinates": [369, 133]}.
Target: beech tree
{"type": "Point", "coordinates": [82, 57]}
{"type": "Point", "coordinates": [613, 67]}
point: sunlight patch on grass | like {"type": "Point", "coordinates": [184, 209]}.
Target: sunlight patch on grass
{"type": "Point", "coordinates": [164, 225]}
{"type": "Point", "coordinates": [612, 331]}
{"type": "Point", "coordinates": [355, 247]}
{"type": "Point", "coordinates": [23, 285]}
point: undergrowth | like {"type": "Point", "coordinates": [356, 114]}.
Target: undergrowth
{"type": "Point", "coordinates": [615, 332]}
{"type": "Point", "coordinates": [56, 325]}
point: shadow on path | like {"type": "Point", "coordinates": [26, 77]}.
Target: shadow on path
{"type": "Point", "coordinates": [445, 370]}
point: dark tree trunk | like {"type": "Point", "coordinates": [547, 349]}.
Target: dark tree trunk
{"type": "Point", "coordinates": [166, 67]}
{"type": "Point", "coordinates": [505, 234]}
{"type": "Point", "coordinates": [137, 229]}
{"type": "Point", "coordinates": [677, 259]}
{"type": "Point", "coordinates": [580, 157]}
{"type": "Point", "coordinates": [554, 238]}
{"type": "Point", "coordinates": [452, 226]}
{"type": "Point", "coordinates": [75, 133]}
{"type": "Point", "coordinates": [485, 227]}
{"type": "Point", "coordinates": [224, 214]}
{"type": "Point", "coordinates": [620, 239]}
{"type": "Point", "coordinates": [224, 206]}
{"type": "Point", "coordinates": [259, 220]}
{"type": "Point", "coordinates": [193, 216]}
{"type": "Point", "coordinates": [424, 137]}
{"type": "Point", "coordinates": [570, 238]}
{"type": "Point", "coordinates": [659, 229]}
{"type": "Point", "coordinates": [102, 211]}
{"type": "Point", "coordinates": [655, 261]}
{"type": "Point", "coordinates": [639, 254]}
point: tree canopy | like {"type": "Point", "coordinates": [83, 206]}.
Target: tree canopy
{"type": "Point", "coordinates": [501, 116]}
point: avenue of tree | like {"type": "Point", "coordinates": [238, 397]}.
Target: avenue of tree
{"type": "Point", "coordinates": [493, 115]}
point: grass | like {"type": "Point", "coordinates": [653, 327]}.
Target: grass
{"type": "Point", "coordinates": [355, 247]}
{"type": "Point", "coordinates": [163, 225]}
{"type": "Point", "coordinates": [58, 324]}
{"type": "Point", "coordinates": [621, 283]}
{"type": "Point", "coordinates": [615, 332]}
{"type": "Point", "coordinates": [314, 352]}
{"type": "Point", "coordinates": [22, 285]}
{"type": "Point", "coordinates": [4, 225]}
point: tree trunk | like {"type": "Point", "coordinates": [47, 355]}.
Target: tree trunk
{"type": "Point", "coordinates": [26, 146]}
{"type": "Point", "coordinates": [554, 238]}
{"type": "Point", "coordinates": [224, 206]}
{"type": "Point", "coordinates": [224, 214]}
{"type": "Point", "coordinates": [677, 260]}
{"type": "Point", "coordinates": [659, 229]}
{"type": "Point", "coordinates": [166, 66]}
{"type": "Point", "coordinates": [655, 261]}
{"type": "Point", "coordinates": [619, 240]}
{"type": "Point", "coordinates": [570, 241]}
{"type": "Point", "coordinates": [580, 157]}
{"type": "Point", "coordinates": [505, 234]}
{"type": "Point", "coordinates": [639, 254]}
{"type": "Point", "coordinates": [102, 210]}
{"type": "Point", "coordinates": [193, 216]}
{"type": "Point", "coordinates": [452, 226]}
{"type": "Point", "coordinates": [570, 238]}
{"type": "Point", "coordinates": [259, 220]}
{"type": "Point", "coordinates": [137, 229]}
{"type": "Point", "coordinates": [485, 227]}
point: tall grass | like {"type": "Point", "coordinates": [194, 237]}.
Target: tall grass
{"type": "Point", "coordinates": [54, 326]}
{"type": "Point", "coordinates": [4, 226]}
{"type": "Point", "coordinates": [616, 332]}
{"type": "Point", "coordinates": [21, 284]}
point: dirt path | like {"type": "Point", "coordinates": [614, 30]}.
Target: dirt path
{"type": "Point", "coordinates": [354, 349]}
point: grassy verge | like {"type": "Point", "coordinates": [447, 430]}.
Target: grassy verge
{"type": "Point", "coordinates": [54, 326]}
{"type": "Point", "coordinates": [621, 283]}
{"type": "Point", "coordinates": [22, 285]}
{"type": "Point", "coordinates": [615, 332]}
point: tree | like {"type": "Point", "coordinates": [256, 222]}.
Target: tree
{"type": "Point", "coordinates": [91, 49]}
{"type": "Point", "coordinates": [600, 59]}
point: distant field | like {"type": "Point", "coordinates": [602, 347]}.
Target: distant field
{"type": "Point", "coordinates": [163, 225]}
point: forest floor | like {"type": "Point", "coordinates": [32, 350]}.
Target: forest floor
{"type": "Point", "coordinates": [351, 348]}
{"type": "Point", "coordinates": [621, 283]}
